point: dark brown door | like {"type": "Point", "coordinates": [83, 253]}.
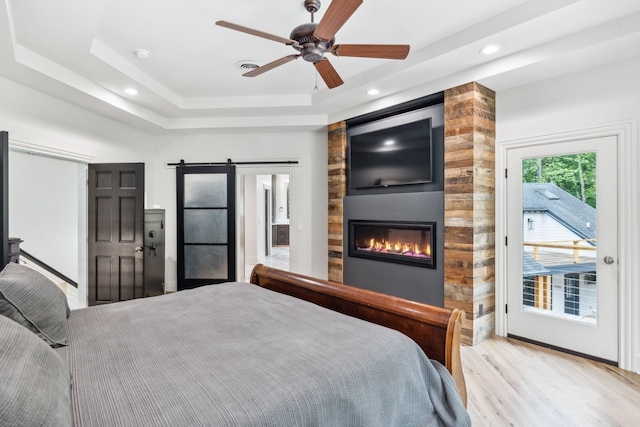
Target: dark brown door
{"type": "Point", "coordinates": [116, 232]}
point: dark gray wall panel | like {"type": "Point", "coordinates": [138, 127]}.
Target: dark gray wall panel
{"type": "Point", "coordinates": [410, 282]}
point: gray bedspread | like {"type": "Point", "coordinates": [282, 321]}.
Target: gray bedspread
{"type": "Point", "coordinates": [238, 355]}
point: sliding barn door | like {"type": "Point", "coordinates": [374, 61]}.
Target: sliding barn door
{"type": "Point", "coordinates": [206, 225]}
{"type": "Point", "coordinates": [115, 232]}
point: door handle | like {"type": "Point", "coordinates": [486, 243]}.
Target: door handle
{"type": "Point", "coordinates": [139, 249]}
{"type": "Point", "coordinates": [608, 260]}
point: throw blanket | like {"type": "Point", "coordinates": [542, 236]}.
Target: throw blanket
{"type": "Point", "coordinates": [235, 354]}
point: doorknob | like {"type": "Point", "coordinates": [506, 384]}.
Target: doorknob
{"type": "Point", "coordinates": [608, 260]}
{"type": "Point", "coordinates": [139, 249]}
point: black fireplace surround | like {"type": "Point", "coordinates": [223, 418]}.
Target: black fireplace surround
{"type": "Point", "coordinates": [401, 242]}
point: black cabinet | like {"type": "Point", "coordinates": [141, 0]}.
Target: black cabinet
{"type": "Point", "coordinates": [280, 234]}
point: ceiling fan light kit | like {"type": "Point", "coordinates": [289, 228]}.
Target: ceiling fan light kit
{"type": "Point", "coordinates": [313, 40]}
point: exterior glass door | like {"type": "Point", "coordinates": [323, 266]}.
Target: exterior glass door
{"type": "Point", "coordinates": [562, 245]}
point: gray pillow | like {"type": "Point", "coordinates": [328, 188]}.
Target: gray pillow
{"type": "Point", "coordinates": [35, 383]}
{"type": "Point", "coordinates": [35, 302]}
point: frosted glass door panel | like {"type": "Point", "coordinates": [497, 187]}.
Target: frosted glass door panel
{"type": "Point", "coordinates": [205, 191]}
{"type": "Point", "coordinates": [205, 226]}
{"type": "Point", "coordinates": [206, 262]}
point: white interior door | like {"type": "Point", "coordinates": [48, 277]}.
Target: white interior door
{"type": "Point", "coordinates": [562, 227]}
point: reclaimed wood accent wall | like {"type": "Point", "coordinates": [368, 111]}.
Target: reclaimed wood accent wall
{"type": "Point", "coordinates": [337, 183]}
{"type": "Point", "coordinates": [469, 200]}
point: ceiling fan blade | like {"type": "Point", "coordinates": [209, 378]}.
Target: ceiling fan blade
{"type": "Point", "coordinates": [270, 66]}
{"type": "Point", "coordinates": [334, 18]}
{"type": "Point", "coordinates": [328, 73]}
{"type": "Point", "coordinates": [255, 32]}
{"type": "Point", "coordinates": [386, 51]}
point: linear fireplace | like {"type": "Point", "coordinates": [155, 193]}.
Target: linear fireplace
{"type": "Point", "coordinates": [402, 242]}
{"type": "Point", "coordinates": [423, 282]}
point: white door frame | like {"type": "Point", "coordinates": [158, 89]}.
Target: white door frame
{"type": "Point", "coordinates": [83, 160]}
{"type": "Point", "coordinates": [628, 234]}
{"type": "Point", "coordinates": [241, 171]}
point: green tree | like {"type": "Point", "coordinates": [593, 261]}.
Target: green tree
{"type": "Point", "coordinates": [575, 174]}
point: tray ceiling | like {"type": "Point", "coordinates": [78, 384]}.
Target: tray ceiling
{"type": "Point", "coordinates": [84, 53]}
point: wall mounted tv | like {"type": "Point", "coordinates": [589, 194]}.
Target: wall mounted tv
{"type": "Point", "coordinates": [393, 151]}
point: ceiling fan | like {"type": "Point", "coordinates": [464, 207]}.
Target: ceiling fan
{"type": "Point", "coordinates": [313, 40]}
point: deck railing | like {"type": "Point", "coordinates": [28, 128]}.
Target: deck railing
{"type": "Point", "coordinates": [573, 245]}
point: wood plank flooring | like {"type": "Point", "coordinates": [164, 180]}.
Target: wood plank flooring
{"type": "Point", "coordinates": [512, 383]}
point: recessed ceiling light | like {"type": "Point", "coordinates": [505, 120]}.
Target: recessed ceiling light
{"type": "Point", "coordinates": [389, 142]}
{"type": "Point", "coordinates": [131, 91]}
{"type": "Point", "coordinates": [490, 49]}
{"type": "Point", "coordinates": [373, 92]}
{"type": "Point", "coordinates": [142, 53]}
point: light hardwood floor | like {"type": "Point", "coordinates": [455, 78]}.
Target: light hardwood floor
{"type": "Point", "coordinates": [512, 383]}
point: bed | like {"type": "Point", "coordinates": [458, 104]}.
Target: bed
{"type": "Point", "coordinates": [283, 350]}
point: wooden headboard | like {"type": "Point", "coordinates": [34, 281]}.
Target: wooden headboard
{"type": "Point", "coordinates": [435, 329]}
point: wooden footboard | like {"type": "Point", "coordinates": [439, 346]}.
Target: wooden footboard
{"type": "Point", "coordinates": [435, 329]}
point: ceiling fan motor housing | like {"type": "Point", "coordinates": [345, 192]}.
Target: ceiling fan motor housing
{"type": "Point", "coordinates": [310, 48]}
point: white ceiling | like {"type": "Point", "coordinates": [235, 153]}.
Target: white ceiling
{"type": "Point", "coordinates": [84, 52]}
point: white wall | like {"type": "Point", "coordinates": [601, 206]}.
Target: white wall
{"type": "Point", "coordinates": [581, 100]}
{"type": "Point", "coordinates": [43, 208]}
{"type": "Point", "coordinates": [32, 117]}
{"type": "Point", "coordinates": [598, 97]}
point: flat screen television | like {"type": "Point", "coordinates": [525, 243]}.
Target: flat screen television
{"type": "Point", "coordinates": [393, 151]}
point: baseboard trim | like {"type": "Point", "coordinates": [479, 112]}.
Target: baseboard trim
{"type": "Point", "coordinates": [564, 350]}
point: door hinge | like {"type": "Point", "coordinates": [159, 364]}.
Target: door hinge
{"type": "Point", "coordinates": [506, 308]}
{"type": "Point", "coordinates": [505, 173]}
{"type": "Point", "coordinates": [506, 243]}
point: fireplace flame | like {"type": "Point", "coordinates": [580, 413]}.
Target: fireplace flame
{"type": "Point", "coordinates": [399, 248]}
